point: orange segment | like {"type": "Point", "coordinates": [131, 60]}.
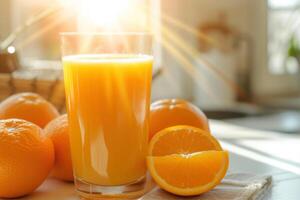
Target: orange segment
{"type": "Point", "coordinates": [182, 140]}
{"type": "Point", "coordinates": [189, 174]}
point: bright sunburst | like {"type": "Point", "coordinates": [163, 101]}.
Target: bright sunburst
{"type": "Point", "coordinates": [104, 13]}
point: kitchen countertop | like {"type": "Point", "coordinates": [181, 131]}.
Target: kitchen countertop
{"type": "Point", "coordinates": [251, 151]}
{"type": "Point", "coordinates": [286, 121]}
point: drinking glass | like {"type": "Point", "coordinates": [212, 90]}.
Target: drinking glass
{"type": "Point", "coordinates": [107, 79]}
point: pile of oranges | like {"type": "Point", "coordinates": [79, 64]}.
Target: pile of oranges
{"type": "Point", "coordinates": [183, 156]}
{"type": "Point", "coordinates": [34, 144]}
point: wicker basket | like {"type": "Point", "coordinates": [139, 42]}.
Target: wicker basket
{"type": "Point", "coordinates": [48, 83]}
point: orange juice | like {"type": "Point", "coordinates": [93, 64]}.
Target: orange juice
{"type": "Point", "coordinates": [108, 100]}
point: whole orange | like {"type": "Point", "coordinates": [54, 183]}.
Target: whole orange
{"type": "Point", "coordinates": [58, 131]}
{"type": "Point", "coordinates": [171, 112]}
{"type": "Point", "coordinates": [26, 157]}
{"type": "Point", "coordinates": [28, 106]}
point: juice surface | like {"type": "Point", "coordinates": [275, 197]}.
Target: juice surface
{"type": "Point", "coordinates": [108, 100]}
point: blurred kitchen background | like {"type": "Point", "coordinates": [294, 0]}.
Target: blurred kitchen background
{"type": "Point", "coordinates": [238, 60]}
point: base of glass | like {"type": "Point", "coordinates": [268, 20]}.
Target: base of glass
{"type": "Point", "coordinates": [96, 192]}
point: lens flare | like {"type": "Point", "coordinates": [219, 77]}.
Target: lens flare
{"type": "Point", "coordinates": [11, 49]}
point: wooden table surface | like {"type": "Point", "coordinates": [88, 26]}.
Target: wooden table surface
{"type": "Point", "coordinates": [252, 151]}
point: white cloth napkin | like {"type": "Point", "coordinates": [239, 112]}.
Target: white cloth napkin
{"type": "Point", "coordinates": [235, 186]}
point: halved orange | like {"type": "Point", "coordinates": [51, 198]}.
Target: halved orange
{"type": "Point", "coordinates": [186, 161]}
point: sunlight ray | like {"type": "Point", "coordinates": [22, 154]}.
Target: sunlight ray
{"type": "Point", "coordinates": [269, 160]}
{"type": "Point", "coordinates": [38, 33]}
{"type": "Point", "coordinates": [186, 64]}
{"type": "Point", "coordinates": [193, 53]}
{"type": "Point", "coordinates": [197, 33]}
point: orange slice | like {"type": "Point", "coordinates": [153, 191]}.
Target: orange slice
{"type": "Point", "coordinates": [186, 161]}
{"type": "Point", "coordinates": [182, 139]}
{"type": "Point", "coordinates": [189, 174]}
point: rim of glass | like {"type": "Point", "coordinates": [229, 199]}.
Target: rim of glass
{"type": "Point", "coordinates": [105, 33]}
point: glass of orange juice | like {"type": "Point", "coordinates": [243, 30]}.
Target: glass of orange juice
{"type": "Point", "coordinates": [107, 80]}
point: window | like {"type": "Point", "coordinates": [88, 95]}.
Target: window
{"type": "Point", "coordinates": [283, 33]}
